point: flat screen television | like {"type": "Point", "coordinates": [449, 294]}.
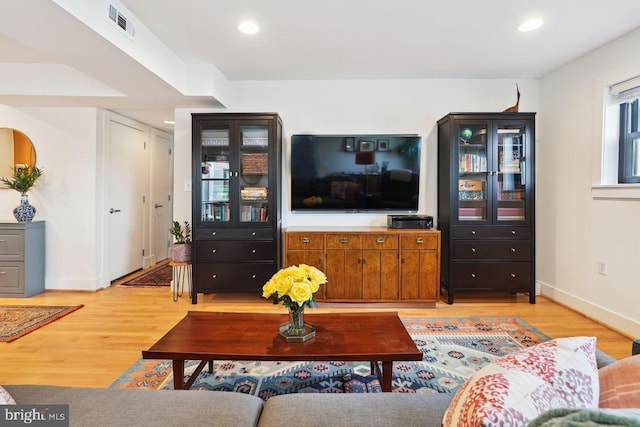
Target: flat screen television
{"type": "Point", "coordinates": [355, 173]}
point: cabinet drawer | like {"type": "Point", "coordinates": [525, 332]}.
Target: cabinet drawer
{"type": "Point", "coordinates": [490, 232]}
{"type": "Point", "coordinates": [232, 276]}
{"type": "Point", "coordinates": [305, 241]}
{"type": "Point", "coordinates": [11, 277]}
{"type": "Point", "coordinates": [344, 241]}
{"type": "Point", "coordinates": [380, 241]}
{"type": "Point", "coordinates": [12, 246]}
{"type": "Point", "coordinates": [492, 275]}
{"type": "Point", "coordinates": [419, 241]}
{"type": "Point", "coordinates": [508, 250]}
{"type": "Point", "coordinates": [235, 233]}
{"type": "Point", "coordinates": [232, 250]}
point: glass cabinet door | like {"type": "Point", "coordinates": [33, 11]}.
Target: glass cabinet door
{"type": "Point", "coordinates": [215, 149]}
{"type": "Point", "coordinates": [472, 172]}
{"type": "Point", "coordinates": [254, 173]}
{"type": "Point", "coordinates": [511, 145]}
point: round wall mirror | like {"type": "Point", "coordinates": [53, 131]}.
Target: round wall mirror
{"type": "Point", "coordinates": [16, 151]}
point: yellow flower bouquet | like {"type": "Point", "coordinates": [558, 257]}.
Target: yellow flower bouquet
{"type": "Point", "coordinates": [295, 285]}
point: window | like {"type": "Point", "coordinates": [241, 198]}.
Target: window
{"type": "Point", "coordinates": [622, 133]}
{"type": "Point", "coordinates": [629, 148]}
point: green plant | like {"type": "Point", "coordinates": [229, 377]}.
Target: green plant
{"type": "Point", "coordinates": [410, 149]}
{"type": "Point", "coordinates": [180, 233]}
{"type": "Point", "coordinates": [23, 178]}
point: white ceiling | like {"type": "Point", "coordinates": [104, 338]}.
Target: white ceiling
{"type": "Point", "coordinates": [52, 53]}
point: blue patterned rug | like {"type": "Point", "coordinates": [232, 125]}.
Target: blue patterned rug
{"type": "Point", "coordinates": [453, 349]}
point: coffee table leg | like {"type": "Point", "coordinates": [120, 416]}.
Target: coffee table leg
{"type": "Point", "coordinates": [387, 375]}
{"type": "Point", "coordinates": [178, 374]}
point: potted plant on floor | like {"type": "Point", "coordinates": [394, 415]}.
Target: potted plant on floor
{"type": "Point", "coordinates": [182, 245]}
{"type": "Point", "coordinates": [22, 180]}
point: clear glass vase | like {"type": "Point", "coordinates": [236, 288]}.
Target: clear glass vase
{"type": "Point", "coordinates": [296, 330]}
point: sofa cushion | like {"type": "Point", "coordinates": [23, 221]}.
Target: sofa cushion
{"type": "Point", "coordinates": [620, 384]}
{"type": "Point", "coordinates": [5, 397]}
{"type": "Point", "coordinates": [355, 410]}
{"type": "Point", "coordinates": [130, 407]}
{"type": "Point", "coordinates": [515, 389]}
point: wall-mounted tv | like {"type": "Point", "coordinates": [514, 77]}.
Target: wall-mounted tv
{"type": "Point", "coordinates": [355, 173]}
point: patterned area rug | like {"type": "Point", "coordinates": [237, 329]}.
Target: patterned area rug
{"type": "Point", "coordinates": [17, 321]}
{"type": "Point", "coordinates": [453, 349]}
{"type": "Point", "coordinates": [159, 276]}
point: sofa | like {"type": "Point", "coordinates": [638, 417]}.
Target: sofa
{"type": "Point", "coordinates": [128, 407]}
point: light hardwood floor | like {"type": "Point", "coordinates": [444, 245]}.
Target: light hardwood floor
{"type": "Point", "coordinates": [96, 344]}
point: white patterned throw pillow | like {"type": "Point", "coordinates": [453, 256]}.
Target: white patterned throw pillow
{"type": "Point", "coordinates": [518, 387]}
{"type": "Point", "coordinates": [5, 397]}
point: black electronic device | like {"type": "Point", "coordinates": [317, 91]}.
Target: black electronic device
{"type": "Point", "coordinates": [355, 173]}
{"type": "Point", "coordinates": [409, 221]}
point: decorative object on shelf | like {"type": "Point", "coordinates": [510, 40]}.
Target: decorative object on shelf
{"type": "Point", "coordinates": [23, 180]}
{"type": "Point", "coordinates": [182, 245]}
{"type": "Point", "coordinates": [466, 133]}
{"type": "Point", "coordinates": [295, 287]}
{"type": "Point", "coordinates": [514, 108]}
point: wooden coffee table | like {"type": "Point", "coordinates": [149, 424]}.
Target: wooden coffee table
{"type": "Point", "coordinates": [379, 338]}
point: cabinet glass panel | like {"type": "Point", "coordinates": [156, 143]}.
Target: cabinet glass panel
{"type": "Point", "coordinates": [254, 173]}
{"type": "Point", "coordinates": [472, 172]}
{"type": "Point", "coordinates": [215, 175]}
{"type": "Point", "coordinates": [511, 173]}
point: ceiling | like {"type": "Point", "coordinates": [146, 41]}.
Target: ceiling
{"type": "Point", "coordinates": [52, 52]}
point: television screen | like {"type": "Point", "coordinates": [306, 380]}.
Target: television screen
{"type": "Point", "coordinates": [352, 173]}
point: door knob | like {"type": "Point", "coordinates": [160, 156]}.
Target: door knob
{"type": "Point", "coordinates": [113, 210]}
{"type": "Point", "coordinates": [158, 206]}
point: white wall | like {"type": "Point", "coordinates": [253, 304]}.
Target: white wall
{"type": "Point", "coordinates": [65, 196]}
{"type": "Point", "coordinates": [574, 229]}
{"type": "Point", "coordinates": [356, 106]}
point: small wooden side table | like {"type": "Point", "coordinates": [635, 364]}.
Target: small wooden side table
{"type": "Point", "coordinates": [181, 274]}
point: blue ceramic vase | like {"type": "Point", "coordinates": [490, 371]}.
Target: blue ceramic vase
{"type": "Point", "coordinates": [25, 212]}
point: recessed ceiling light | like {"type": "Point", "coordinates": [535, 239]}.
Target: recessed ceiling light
{"type": "Point", "coordinates": [531, 24]}
{"type": "Point", "coordinates": [248, 27]}
{"type": "Point", "coordinates": [169, 122]}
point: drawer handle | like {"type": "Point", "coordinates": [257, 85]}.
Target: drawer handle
{"type": "Point", "coordinates": [253, 251]}
{"type": "Point", "coordinates": [344, 240]}
{"type": "Point", "coordinates": [513, 250]}
{"type": "Point", "coordinates": [419, 240]}
{"type": "Point", "coordinates": [305, 240]}
{"type": "Point", "coordinates": [215, 276]}
{"type": "Point", "coordinates": [2, 273]}
{"type": "Point", "coordinates": [253, 234]}
{"type": "Point", "coordinates": [214, 233]}
{"type": "Point", "coordinates": [253, 276]}
{"type": "Point", "coordinates": [473, 275]}
{"type": "Point", "coordinates": [380, 240]}
{"type": "Point", "coordinates": [513, 275]}
{"type": "Point", "coordinates": [213, 251]}
{"type": "Point", "coordinates": [473, 232]}
{"type": "Point", "coordinates": [473, 249]}
{"type": "Point", "coordinates": [513, 232]}
{"type": "Point", "coordinates": [2, 241]}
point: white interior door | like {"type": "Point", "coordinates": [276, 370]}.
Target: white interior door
{"type": "Point", "coordinates": [161, 200]}
{"type": "Point", "coordinates": [126, 172]}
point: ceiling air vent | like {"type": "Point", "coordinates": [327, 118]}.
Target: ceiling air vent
{"type": "Point", "coordinates": [121, 21]}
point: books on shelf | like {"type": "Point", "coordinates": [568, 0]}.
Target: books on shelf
{"type": "Point", "coordinates": [253, 193]}
{"type": "Point", "coordinates": [215, 211]}
{"type": "Point", "coordinates": [250, 213]}
{"type": "Point", "coordinates": [212, 138]}
{"type": "Point", "coordinates": [470, 214]}
{"type": "Point", "coordinates": [473, 163]}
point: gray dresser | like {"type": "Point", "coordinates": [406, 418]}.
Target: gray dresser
{"type": "Point", "coordinates": [21, 258]}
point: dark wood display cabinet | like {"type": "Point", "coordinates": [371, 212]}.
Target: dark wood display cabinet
{"type": "Point", "coordinates": [486, 196]}
{"type": "Point", "coordinates": [236, 201]}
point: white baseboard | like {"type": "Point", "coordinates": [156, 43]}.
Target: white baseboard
{"type": "Point", "coordinates": [603, 315]}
